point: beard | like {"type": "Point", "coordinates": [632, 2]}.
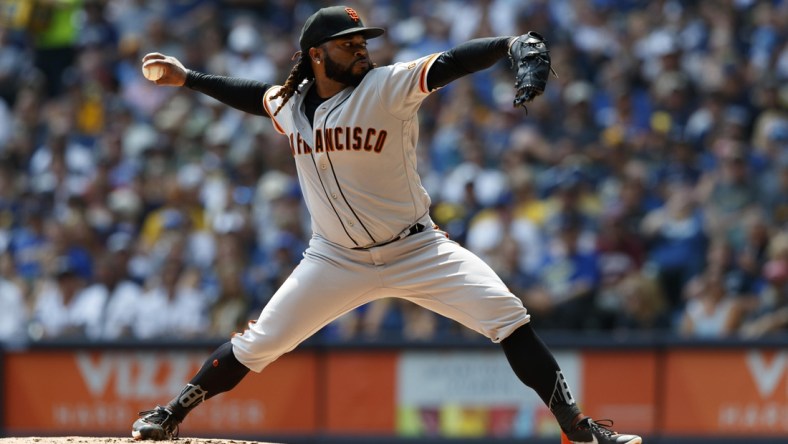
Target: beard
{"type": "Point", "coordinates": [343, 75]}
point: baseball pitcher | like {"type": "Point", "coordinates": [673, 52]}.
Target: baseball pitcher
{"type": "Point", "coordinates": [353, 130]}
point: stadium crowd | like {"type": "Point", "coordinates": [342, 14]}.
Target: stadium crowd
{"type": "Point", "coordinates": [647, 190]}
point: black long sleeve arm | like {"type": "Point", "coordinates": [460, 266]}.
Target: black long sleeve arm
{"type": "Point", "coordinates": [466, 58]}
{"type": "Point", "coordinates": [245, 95]}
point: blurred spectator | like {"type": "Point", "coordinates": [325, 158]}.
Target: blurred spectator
{"type": "Point", "coordinates": [568, 280]}
{"type": "Point", "coordinates": [61, 309]}
{"type": "Point", "coordinates": [705, 119]}
{"type": "Point", "coordinates": [572, 197]}
{"type": "Point", "coordinates": [507, 261]}
{"type": "Point", "coordinates": [15, 64]}
{"type": "Point", "coordinates": [643, 305]}
{"type": "Point", "coordinates": [473, 181]}
{"type": "Point", "coordinates": [777, 203]}
{"type": "Point", "coordinates": [123, 292]}
{"type": "Point", "coordinates": [231, 311]}
{"type": "Point", "coordinates": [526, 201]}
{"type": "Point", "coordinates": [9, 206]}
{"type": "Point", "coordinates": [392, 317]}
{"type": "Point", "coordinates": [579, 122]}
{"type": "Point", "coordinates": [245, 59]}
{"type": "Point", "coordinates": [771, 316]}
{"type": "Point", "coordinates": [490, 230]}
{"type": "Point", "coordinates": [55, 31]}
{"type": "Point", "coordinates": [131, 16]}
{"type": "Point", "coordinates": [172, 305]}
{"type": "Point", "coordinates": [277, 209]}
{"type": "Point", "coordinates": [477, 19]}
{"type": "Point", "coordinates": [728, 190]}
{"type": "Point", "coordinates": [744, 255]}
{"type": "Point", "coordinates": [621, 254]}
{"type": "Point", "coordinates": [676, 242]}
{"type": "Point", "coordinates": [232, 307]}
{"type": "Point", "coordinates": [710, 311]}
{"type": "Point", "coordinates": [61, 166]}
{"type": "Point", "coordinates": [766, 37]}
{"type": "Point", "coordinates": [680, 165]}
{"type": "Point", "coordinates": [620, 248]}
{"type": "Point", "coordinates": [63, 241]}
{"type": "Point", "coordinates": [179, 223]}
{"type": "Point", "coordinates": [96, 32]}
{"type": "Point", "coordinates": [27, 243]}
{"type": "Point", "coordinates": [15, 312]}
{"type": "Point", "coordinates": [270, 267]}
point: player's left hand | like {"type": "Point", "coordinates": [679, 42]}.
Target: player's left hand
{"type": "Point", "coordinates": [531, 58]}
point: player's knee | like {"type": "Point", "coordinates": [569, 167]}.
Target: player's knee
{"type": "Point", "coordinates": [256, 349]}
{"type": "Point", "coordinates": [502, 330]}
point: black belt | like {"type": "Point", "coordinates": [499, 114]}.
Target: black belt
{"type": "Point", "coordinates": [417, 228]}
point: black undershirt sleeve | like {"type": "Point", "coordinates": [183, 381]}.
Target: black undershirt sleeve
{"type": "Point", "coordinates": [247, 95]}
{"type": "Point", "coordinates": [242, 94]}
{"type": "Point", "coordinates": [466, 58]}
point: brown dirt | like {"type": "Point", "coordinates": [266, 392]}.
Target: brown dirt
{"type": "Point", "coordinates": [113, 440]}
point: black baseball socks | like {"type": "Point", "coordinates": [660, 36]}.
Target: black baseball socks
{"type": "Point", "coordinates": [220, 373]}
{"type": "Point", "coordinates": [530, 359]}
{"type": "Point", "coordinates": [536, 367]}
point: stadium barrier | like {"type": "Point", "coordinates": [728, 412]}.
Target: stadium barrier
{"type": "Point", "coordinates": [667, 389]}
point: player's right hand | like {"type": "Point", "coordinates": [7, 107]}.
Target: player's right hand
{"type": "Point", "coordinates": [174, 71]}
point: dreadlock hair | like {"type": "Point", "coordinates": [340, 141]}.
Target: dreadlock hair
{"type": "Point", "coordinates": [300, 72]}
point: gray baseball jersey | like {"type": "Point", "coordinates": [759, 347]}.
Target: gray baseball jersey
{"type": "Point", "coordinates": [357, 170]}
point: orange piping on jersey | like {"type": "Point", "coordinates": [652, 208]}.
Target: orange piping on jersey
{"type": "Point", "coordinates": [270, 112]}
{"type": "Point", "coordinates": [423, 75]}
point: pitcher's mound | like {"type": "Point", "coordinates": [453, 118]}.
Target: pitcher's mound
{"type": "Point", "coordinates": [106, 440]}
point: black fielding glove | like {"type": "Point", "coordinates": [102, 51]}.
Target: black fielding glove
{"type": "Point", "coordinates": [531, 59]}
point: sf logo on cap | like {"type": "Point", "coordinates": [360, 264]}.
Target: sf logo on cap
{"type": "Point", "coordinates": [353, 14]}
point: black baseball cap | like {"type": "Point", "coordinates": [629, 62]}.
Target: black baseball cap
{"type": "Point", "coordinates": [332, 22]}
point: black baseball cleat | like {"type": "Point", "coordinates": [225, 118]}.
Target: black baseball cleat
{"type": "Point", "coordinates": [586, 431]}
{"type": "Point", "coordinates": [156, 425]}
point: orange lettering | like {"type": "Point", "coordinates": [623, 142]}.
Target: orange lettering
{"type": "Point", "coordinates": [370, 133]}
{"type": "Point", "coordinates": [329, 139]}
{"type": "Point", "coordinates": [357, 138]}
{"type": "Point", "coordinates": [380, 142]}
{"type": "Point", "coordinates": [337, 134]}
{"type": "Point", "coordinates": [318, 141]}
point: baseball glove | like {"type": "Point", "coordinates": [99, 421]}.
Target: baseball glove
{"type": "Point", "coordinates": [531, 58]}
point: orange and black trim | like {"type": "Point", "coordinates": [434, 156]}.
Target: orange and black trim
{"type": "Point", "coordinates": [270, 111]}
{"type": "Point", "coordinates": [423, 75]}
